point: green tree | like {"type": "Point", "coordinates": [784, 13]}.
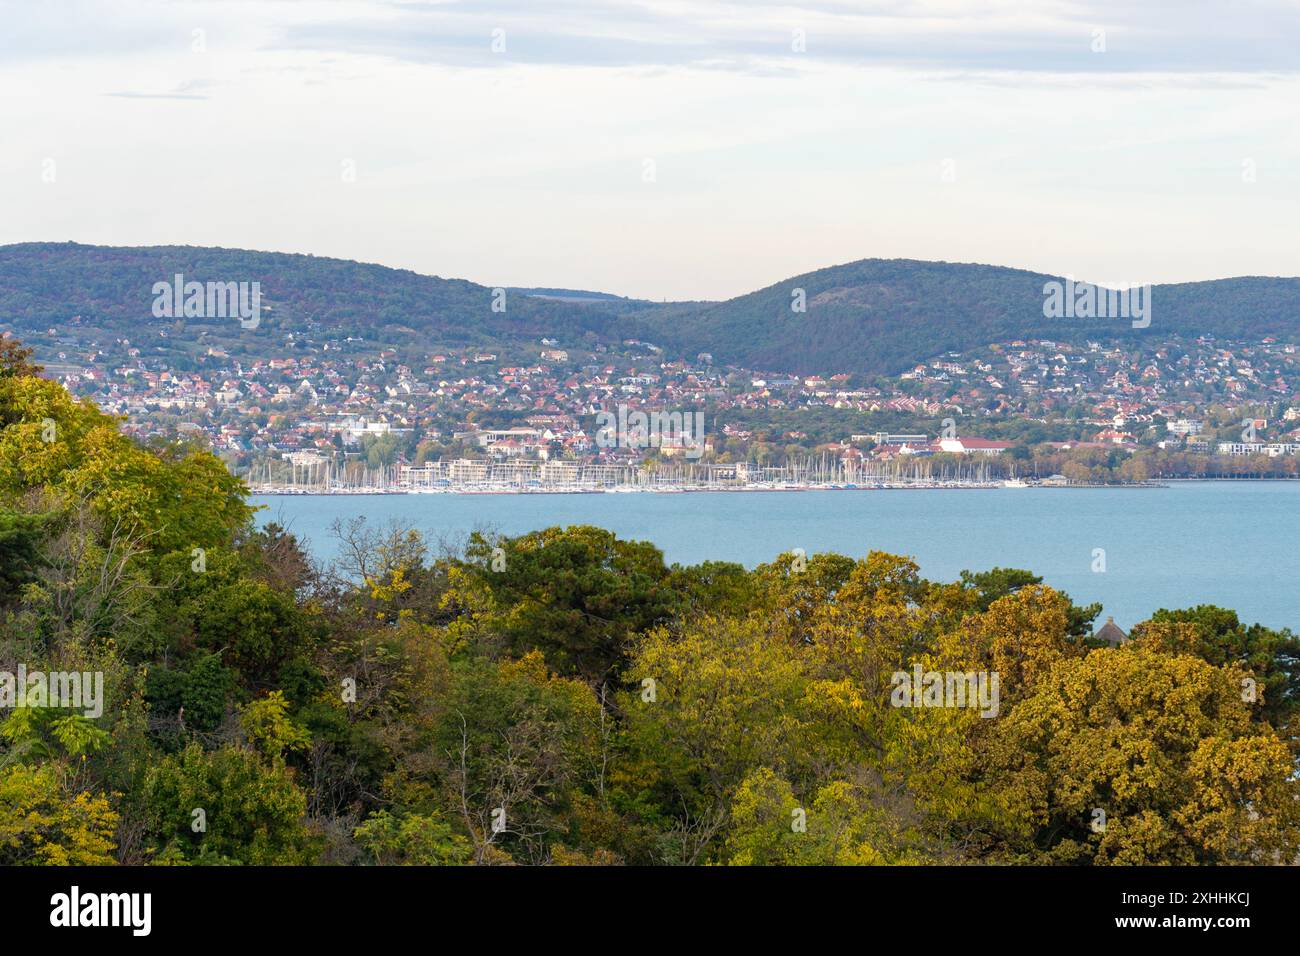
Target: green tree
{"type": "Point", "coordinates": [412, 839]}
{"type": "Point", "coordinates": [226, 806]}
{"type": "Point", "coordinates": [20, 538]}
{"type": "Point", "coordinates": [577, 594]}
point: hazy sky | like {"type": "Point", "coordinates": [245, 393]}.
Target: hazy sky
{"type": "Point", "coordinates": [676, 149]}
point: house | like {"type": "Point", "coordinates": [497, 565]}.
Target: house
{"type": "Point", "coordinates": [492, 436]}
{"type": "Point", "coordinates": [1240, 448]}
{"type": "Point", "coordinates": [890, 452]}
{"type": "Point", "coordinates": [1114, 436]}
{"type": "Point", "coordinates": [1185, 426]}
{"type": "Point", "coordinates": [1110, 633]}
{"type": "Point", "coordinates": [887, 438]}
{"type": "Point", "coordinates": [967, 446]}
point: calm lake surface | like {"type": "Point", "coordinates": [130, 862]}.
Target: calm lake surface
{"type": "Point", "coordinates": [1227, 543]}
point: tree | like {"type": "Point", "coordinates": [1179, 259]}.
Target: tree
{"type": "Point", "coordinates": [715, 587]}
{"type": "Point", "coordinates": [845, 824]}
{"type": "Point", "coordinates": [1271, 656]}
{"type": "Point", "coordinates": [20, 537]}
{"type": "Point", "coordinates": [1132, 756]}
{"type": "Point", "coordinates": [516, 741]}
{"type": "Point", "coordinates": [709, 705]}
{"type": "Point", "coordinates": [412, 839]}
{"type": "Point", "coordinates": [267, 724]}
{"type": "Point", "coordinates": [226, 806]}
{"type": "Point", "coordinates": [179, 500]}
{"type": "Point", "coordinates": [988, 586]}
{"type": "Point", "coordinates": [253, 626]}
{"type": "Point", "coordinates": [577, 594]}
{"type": "Point", "coordinates": [795, 587]}
{"type": "Point", "coordinates": [1020, 638]}
{"type": "Point", "coordinates": [14, 359]}
{"type": "Point", "coordinates": [42, 822]}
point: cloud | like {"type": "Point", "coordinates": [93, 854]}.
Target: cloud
{"type": "Point", "coordinates": [974, 36]}
{"type": "Point", "coordinates": [526, 167]}
{"type": "Point", "coordinates": [977, 35]}
{"type": "Point", "coordinates": [182, 91]}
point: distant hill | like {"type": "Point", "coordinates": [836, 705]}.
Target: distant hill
{"type": "Point", "coordinates": [45, 284]}
{"type": "Point", "coordinates": [873, 316]}
{"type": "Point", "coordinates": [884, 315]}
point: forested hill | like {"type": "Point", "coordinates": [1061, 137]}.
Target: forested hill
{"type": "Point", "coordinates": [872, 316]}
{"type": "Point", "coordinates": [45, 285]}
{"type": "Point", "coordinates": [883, 315]}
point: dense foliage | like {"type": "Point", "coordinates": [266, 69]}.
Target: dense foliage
{"type": "Point", "coordinates": [564, 697]}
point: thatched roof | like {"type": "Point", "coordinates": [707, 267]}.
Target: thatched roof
{"type": "Point", "coordinates": [1110, 633]}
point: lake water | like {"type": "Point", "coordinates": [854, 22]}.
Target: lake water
{"type": "Point", "coordinates": [1228, 543]}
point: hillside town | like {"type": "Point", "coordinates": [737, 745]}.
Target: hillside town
{"type": "Point", "coordinates": [349, 407]}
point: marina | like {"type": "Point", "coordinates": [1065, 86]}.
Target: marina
{"type": "Point", "coordinates": [321, 476]}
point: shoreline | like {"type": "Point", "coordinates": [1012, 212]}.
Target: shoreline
{"type": "Point", "coordinates": [377, 492]}
{"type": "Point", "coordinates": [271, 492]}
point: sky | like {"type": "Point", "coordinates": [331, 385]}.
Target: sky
{"type": "Point", "coordinates": [683, 149]}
